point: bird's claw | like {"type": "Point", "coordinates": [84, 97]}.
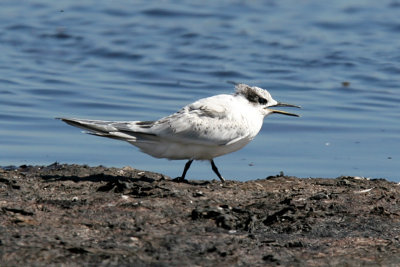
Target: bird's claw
{"type": "Point", "coordinates": [180, 180]}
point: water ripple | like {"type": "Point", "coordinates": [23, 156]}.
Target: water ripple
{"type": "Point", "coordinates": [107, 53]}
{"type": "Point", "coordinates": [141, 60]}
{"type": "Point", "coordinates": [165, 12]}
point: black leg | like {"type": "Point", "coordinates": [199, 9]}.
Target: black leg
{"type": "Point", "coordinates": [215, 169]}
{"type": "Point", "coordinates": [187, 166]}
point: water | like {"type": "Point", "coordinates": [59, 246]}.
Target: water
{"type": "Point", "coordinates": [139, 60]}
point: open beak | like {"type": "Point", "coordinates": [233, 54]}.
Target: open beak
{"type": "Point", "coordinates": [284, 112]}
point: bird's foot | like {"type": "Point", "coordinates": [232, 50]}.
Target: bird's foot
{"type": "Point", "coordinates": [180, 180]}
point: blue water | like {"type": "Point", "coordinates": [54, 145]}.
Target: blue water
{"type": "Point", "coordinates": [142, 60]}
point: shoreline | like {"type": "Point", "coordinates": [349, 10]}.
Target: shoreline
{"type": "Point", "coordinates": [80, 215]}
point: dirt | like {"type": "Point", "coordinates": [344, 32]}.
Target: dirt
{"type": "Point", "coordinates": [96, 216]}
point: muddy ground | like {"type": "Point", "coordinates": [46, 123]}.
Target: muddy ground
{"type": "Point", "coordinates": [97, 216]}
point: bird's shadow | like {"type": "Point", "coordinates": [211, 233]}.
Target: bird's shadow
{"type": "Point", "coordinates": [115, 183]}
{"type": "Point", "coordinates": [122, 184]}
{"type": "Point", "coordinates": [97, 178]}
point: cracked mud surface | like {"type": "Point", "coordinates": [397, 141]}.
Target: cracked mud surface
{"type": "Point", "coordinates": [98, 216]}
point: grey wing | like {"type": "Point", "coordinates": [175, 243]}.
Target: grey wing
{"type": "Point", "coordinates": [200, 123]}
{"type": "Point", "coordinates": [205, 122]}
{"type": "Point", "coordinates": [133, 131]}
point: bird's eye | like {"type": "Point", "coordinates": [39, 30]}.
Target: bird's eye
{"type": "Point", "coordinates": [262, 101]}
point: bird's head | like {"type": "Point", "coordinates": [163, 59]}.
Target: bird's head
{"type": "Point", "coordinates": [262, 99]}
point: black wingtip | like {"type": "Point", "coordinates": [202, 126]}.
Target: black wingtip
{"type": "Point", "coordinates": [62, 119]}
{"type": "Point", "coordinates": [68, 121]}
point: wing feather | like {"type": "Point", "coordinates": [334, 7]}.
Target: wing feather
{"type": "Point", "coordinates": [204, 122]}
{"type": "Point", "coordinates": [209, 121]}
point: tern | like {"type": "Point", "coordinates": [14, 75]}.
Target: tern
{"type": "Point", "coordinates": [206, 129]}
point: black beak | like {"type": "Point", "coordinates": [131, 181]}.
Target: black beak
{"type": "Point", "coordinates": [284, 113]}
{"type": "Point", "coordinates": [285, 105]}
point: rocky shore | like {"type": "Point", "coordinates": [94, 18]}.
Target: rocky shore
{"type": "Point", "coordinates": [74, 215]}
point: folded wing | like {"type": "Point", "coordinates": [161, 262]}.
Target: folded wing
{"type": "Point", "coordinates": [204, 122]}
